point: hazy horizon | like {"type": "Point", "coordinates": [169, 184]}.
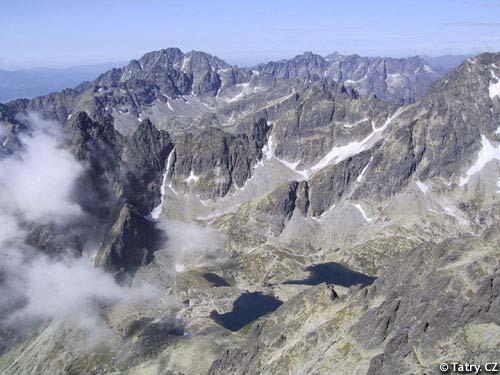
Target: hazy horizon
{"type": "Point", "coordinates": [121, 63]}
{"type": "Point", "coordinates": [59, 34]}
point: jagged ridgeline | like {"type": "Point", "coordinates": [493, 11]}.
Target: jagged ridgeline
{"type": "Point", "coordinates": [317, 215]}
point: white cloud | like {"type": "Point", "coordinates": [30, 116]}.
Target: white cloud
{"type": "Point", "coordinates": [38, 182]}
{"type": "Point", "coordinates": [192, 243]}
{"type": "Point", "coordinates": [36, 186]}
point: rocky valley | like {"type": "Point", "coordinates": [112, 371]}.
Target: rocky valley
{"type": "Point", "coordinates": [316, 215]}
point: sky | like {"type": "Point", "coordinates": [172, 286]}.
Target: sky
{"type": "Point", "coordinates": [60, 33]}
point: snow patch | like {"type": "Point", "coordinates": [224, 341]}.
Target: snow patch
{"type": "Point", "coordinates": [192, 177]}
{"type": "Point", "coordinates": [179, 267]}
{"type": "Point", "coordinates": [245, 90]}
{"type": "Point", "coordinates": [290, 165]}
{"type": "Point", "coordinates": [353, 124]}
{"type": "Point", "coordinates": [337, 154]}
{"type": "Point", "coordinates": [280, 100]}
{"type": "Point", "coordinates": [428, 69]}
{"type": "Point", "coordinates": [363, 213]}
{"type": "Point", "coordinates": [354, 81]}
{"type": "Point", "coordinates": [293, 167]}
{"type": "Point", "coordinates": [487, 153]}
{"type": "Point", "coordinates": [330, 209]}
{"type": "Point", "coordinates": [494, 88]}
{"type": "Point", "coordinates": [155, 214]}
{"type": "Point", "coordinates": [185, 62]}
{"type": "Point", "coordinates": [360, 177]}
{"type": "Point", "coordinates": [423, 187]}
{"type": "Point", "coordinates": [267, 150]}
{"type": "Point", "coordinates": [172, 188]}
{"type": "Point", "coordinates": [207, 106]}
{"type": "Point", "coordinates": [396, 79]}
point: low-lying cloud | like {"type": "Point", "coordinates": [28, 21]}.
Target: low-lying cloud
{"type": "Point", "coordinates": [193, 243]}
{"type": "Point", "coordinates": [36, 188]}
{"type": "Point", "coordinates": [37, 183]}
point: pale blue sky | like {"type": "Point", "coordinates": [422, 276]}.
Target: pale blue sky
{"type": "Point", "coordinates": [63, 33]}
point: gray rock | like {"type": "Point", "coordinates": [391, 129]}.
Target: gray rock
{"type": "Point", "coordinates": [129, 244]}
{"type": "Point", "coordinates": [218, 160]}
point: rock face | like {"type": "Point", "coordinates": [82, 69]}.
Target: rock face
{"type": "Point", "coordinates": [9, 133]}
{"type": "Point", "coordinates": [124, 176]}
{"type": "Point", "coordinates": [49, 240]}
{"type": "Point", "coordinates": [99, 146]}
{"type": "Point", "coordinates": [121, 169]}
{"type": "Point", "coordinates": [441, 134]}
{"type": "Point", "coordinates": [129, 244]}
{"type": "Point", "coordinates": [212, 161]}
{"type": "Point", "coordinates": [328, 186]}
{"type": "Point", "coordinates": [277, 208]}
{"type": "Point", "coordinates": [405, 321]}
{"type": "Point", "coordinates": [143, 158]}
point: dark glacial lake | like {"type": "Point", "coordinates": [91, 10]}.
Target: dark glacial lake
{"type": "Point", "coordinates": [247, 308]}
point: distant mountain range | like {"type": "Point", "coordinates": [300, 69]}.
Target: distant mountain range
{"type": "Point", "coordinates": [176, 89]}
{"type": "Point", "coordinates": [29, 83]}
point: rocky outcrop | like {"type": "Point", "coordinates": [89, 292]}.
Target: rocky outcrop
{"type": "Point", "coordinates": [52, 241]}
{"type": "Point", "coordinates": [10, 129]}
{"type": "Point", "coordinates": [123, 178]}
{"type": "Point", "coordinates": [440, 135]}
{"type": "Point", "coordinates": [424, 306]}
{"type": "Point", "coordinates": [97, 144]}
{"type": "Point", "coordinates": [336, 182]}
{"type": "Point", "coordinates": [211, 162]}
{"type": "Point", "coordinates": [143, 159]}
{"type": "Point", "coordinates": [277, 208]}
{"type": "Point", "coordinates": [121, 169]}
{"type": "Point", "coordinates": [129, 244]}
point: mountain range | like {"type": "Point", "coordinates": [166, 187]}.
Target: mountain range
{"type": "Point", "coordinates": [29, 83]}
{"type": "Point", "coordinates": [314, 215]}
